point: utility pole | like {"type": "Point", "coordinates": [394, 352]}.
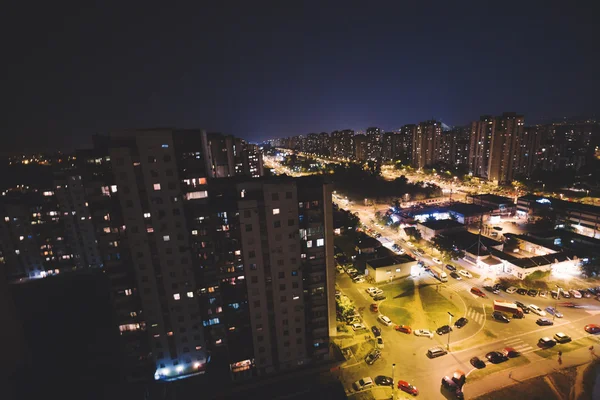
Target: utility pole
{"type": "Point", "coordinates": [450, 315]}
{"type": "Point", "coordinates": [393, 382]}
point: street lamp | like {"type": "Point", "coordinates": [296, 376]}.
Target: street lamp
{"type": "Point", "coordinates": [450, 315]}
{"type": "Point", "coordinates": [393, 382]}
{"type": "Point", "coordinates": [556, 302]}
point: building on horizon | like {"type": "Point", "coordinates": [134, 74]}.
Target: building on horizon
{"type": "Point", "coordinates": [426, 148]}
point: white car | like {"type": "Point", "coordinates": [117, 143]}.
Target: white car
{"type": "Point", "coordinates": [537, 310]}
{"type": "Point", "coordinates": [575, 293]}
{"type": "Point", "coordinates": [379, 342]}
{"type": "Point", "coordinates": [511, 290]}
{"type": "Point", "coordinates": [423, 333]}
{"type": "Point", "coordinates": [359, 279]}
{"type": "Point", "coordinates": [384, 320]}
{"type": "Point", "coordinates": [465, 273]}
{"type": "Point", "coordinates": [409, 244]}
{"type": "Point", "coordinates": [371, 290]}
{"type": "Point", "coordinates": [400, 251]}
{"type": "Point", "coordinates": [436, 260]}
{"type": "Point", "coordinates": [377, 292]}
{"type": "Point", "coordinates": [358, 326]}
{"type": "Point", "coordinates": [363, 383]}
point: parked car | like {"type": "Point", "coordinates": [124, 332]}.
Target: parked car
{"type": "Point", "coordinates": [358, 326]}
{"type": "Point", "coordinates": [575, 293]}
{"type": "Point", "coordinates": [465, 273]}
{"type": "Point", "coordinates": [478, 292]}
{"type": "Point", "coordinates": [565, 294]}
{"type": "Point", "coordinates": [384, 320]}
{"type": "Point", "coordinates": [522, 307]}
{"type": "Point", "coordinates": [510, 352]}
{"type": "Point", "coordinates": [532, 292]}
{"type": "Point", "coordinates": [452, 387]}
{"type": "Point", "coordinates": [371, 290]}
{"type": "Point", "coordinates": [546, 342]}
{"type": "Point", "coordinates": [358, 279]}
{"type": "Point", "coordinates": [498, 228]}
{"type": "Point", "coordinates": [511, 290]}
{"type": "Point", "coordinates": [562, 338]}
{"type": "Point", "coordinates": [408, 388]}
{"type": "Point", "coordinates": [374, 307]}
{"type": "Point", "coordinates": [455, 276]}
{"type": "Point", "coordinates": [544, 322]}
{"type": "Point", "coordinates": [477, 362]}
{"type": "Point", "coordinates": [554, 311]}
{"type": "Point", "coordinates": [522, 291]}
{"type": "Point", "coordinates": [423, 332]}
{"type": "Point", "coordinates": [373, 356]}
{"type": "Point", "coordinates": [379, 297]}
{"type": "Point", "coordinates": [436, 260]}
{"type": "Point", "coordinates": [592, 328]}
{"type": "Point", "coordinates": [450, 267]}
{"type": "Point", "coordinates": [491, 289]}
{"type": "Point", "coordinates": [403, 328]}
{"type": "Point", "coordinates": [376, 331]}
{"type": "Point", "coordinates": [442, 330]}
{"type": "Point", "coordinates": [383, 380]}
{"type": "Point", "coordinates": [363, 383]}
{"type": "Point", "coordinates": [377, 292]}
{"type": "Point", "coordinates": [379, 342]}
{"type": "Point", "coordinates": [543, 293]}
{"type": "Point", "coordinates": [496, 357]}
{"type": "Point", "coordinates": [537, 310]}
{"type": "Point", "coordinates": [462, 321]}
{"type": "Point", "coordinates": [585, 293]}
{"type": "Point", "coordinates": [554, 294]}
{"type": "Point", "coordinates": [437, 351]}
{"type": "Point", "coordinates": [498, 316]}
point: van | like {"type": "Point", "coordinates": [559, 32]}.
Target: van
{"type": "Point", "coordinates": [478, 292]}
{"type": "Point", "coordinates": [436, 352]}
{"type": "Point", "coordinates": [384, 320]}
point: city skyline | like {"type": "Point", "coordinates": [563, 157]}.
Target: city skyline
{"type": "Point", "coordinates": [259, 73]}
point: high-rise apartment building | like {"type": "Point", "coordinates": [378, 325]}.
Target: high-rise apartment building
{"type": "Point", "coordinates": [404, 146]}
{"type": "Point", "coordinates": [373, 143]}
{"type": "Point", "coordinates": [342, 143]}
{"type": "Point", "coordinates": [505, 152]}
{"type": "Point", "coordinates": [426, 148]}
{"type": "Point", "coordinates": [480, 142]}
{"type": "Point", "coordinates": [388, 146]}
{"type": "Point", "coordinates": [360, 148]}
{"type": "Point", "coordinates": [455, 147]}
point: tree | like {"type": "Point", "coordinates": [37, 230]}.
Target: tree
{"type": "Point", "coordinates": [445, 245]}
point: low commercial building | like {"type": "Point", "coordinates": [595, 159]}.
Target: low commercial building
{"type": "Point", "coordinates": [429, 229]}
{"type": "Point", "coordinates": [386, 269]}
{"type": "Point", "coordinates": [367, 245]}
{"type": "Point", "coordinates": [468, 214]}
{"type": "Point", "coordinates": [499, 205]}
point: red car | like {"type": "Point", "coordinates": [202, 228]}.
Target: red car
{"type": "Point", "coordinates": [408, 388]}
{"type": "Point", "coordinates": [510, 352]}
{"type": "Point", "coordinates": [403, 328]}
{"type": "Point", "coordinates": [592, 328]}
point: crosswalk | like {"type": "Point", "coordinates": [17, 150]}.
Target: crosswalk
{"type": "Point", "coordinates": [474, 315]}
{"type": "Point", "coordinates": [519, 345]}
{"type": "Point", "coordinates": [459, 285]}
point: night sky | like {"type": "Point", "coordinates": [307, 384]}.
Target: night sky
{"type": "Point", "coordinates": [259, 70]}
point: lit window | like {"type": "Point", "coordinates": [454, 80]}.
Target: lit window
{"type": "Point", "coordinates": [176, 296]}
{"type": "Point", "coordinates": [194, 232]}
{"type": "Point", "coordinates": [320, 242]}
{"type": "Point", "coordinates": [150, 229]}
{"type": "Point", "coordinates": [157, 186]}
{"type": "Point", "coordinates": [113, 188]}
{"type": "Point", "coordinates": [21, 237]}
{"type": "Point", "coordinates": [128, 292]}
{"type": "Point", "coordinates": [146, 215]}
{"type": "Point", "coordinates": [309, 243]}
{"type": "Point", "coordinates": [165, 146]}
{"type": "Point", "coordinates": [296, 297]}
{"type": "Point", "coordinates": [166, 238]}
{"type": "Point", "coordinates": [202, 194]}
{"type": "Point", "coordinates": [190, 294]}
{"type": "Point", "coordinates": [275, 211]}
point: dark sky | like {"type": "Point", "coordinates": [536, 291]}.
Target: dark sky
{"type": "Point", "coordinates": [260, 70]}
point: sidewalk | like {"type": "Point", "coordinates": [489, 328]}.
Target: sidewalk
{"type": "Point", "coordinates": [537, 367]}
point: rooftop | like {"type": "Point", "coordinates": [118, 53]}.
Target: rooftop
{"type": "Point", "coordinates": [389, 261]}
{"type": "Point", "coordinates": [442, 224]}
{"type": "Point", "coordinates": [493, 198]}
{"type": "Point", "coordinates": [367, 242]}
{"type": "Point", "coordinates": [468, 210]}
